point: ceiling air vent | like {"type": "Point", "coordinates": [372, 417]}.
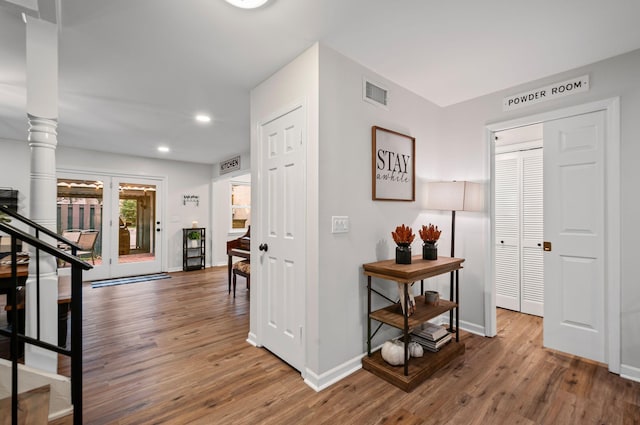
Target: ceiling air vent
{"type": "Point", "coordinates": [375, 94]}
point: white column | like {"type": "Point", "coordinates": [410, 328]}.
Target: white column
{"type": "Point", "coordinates": [42, 110]}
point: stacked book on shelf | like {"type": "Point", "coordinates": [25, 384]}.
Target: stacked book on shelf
{"type": "Point", "coordinates": [430, 336]}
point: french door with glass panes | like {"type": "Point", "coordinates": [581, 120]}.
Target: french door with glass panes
{"type": "Point", "coordinates": [115, 219]}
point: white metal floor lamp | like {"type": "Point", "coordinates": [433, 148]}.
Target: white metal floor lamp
{"type": "Point", "coordinates": [454, 196]}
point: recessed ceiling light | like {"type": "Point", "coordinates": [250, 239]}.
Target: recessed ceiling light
{"type": "Point", "coordinates": [163, 149]}
{"type": "Point", "coordinates": [203, 118]}
{"type": "Point", "coordinates": [247, 4]}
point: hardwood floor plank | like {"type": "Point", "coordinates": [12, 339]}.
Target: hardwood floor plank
{"type": "Point", "coordinates": [174, 351]}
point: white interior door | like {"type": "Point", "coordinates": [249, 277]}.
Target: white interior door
{"type": "Point", "coordinates": [532, 269]}
{"type": "Point", "coordinates": [507, 233]}
{"type": "Point", "coordinates": [519, 231]}
{"type": "Point", "coordinates": [574, 274]}
{"type": "Point", "coordinates": [281, 236]}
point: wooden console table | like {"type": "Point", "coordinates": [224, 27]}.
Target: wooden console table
{"type": "Point", "coordinates": [415, 370]}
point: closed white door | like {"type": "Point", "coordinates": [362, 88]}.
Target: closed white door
{"type": "Point", "coordinates": [507, 233]}
{"type": "Point", "coordinates": [281, 237]}
{"type": "Point", "coordinates": [574, 274]}
{"type": "Point", "coordinates": [532, 269]}
{"type": "Point", "coordinates": [519, 231]}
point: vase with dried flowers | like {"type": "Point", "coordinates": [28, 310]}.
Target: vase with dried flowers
{"type": "Point", "coordinates": [429, 235]}
{"type": "Point", "coordinates": [403, 236]}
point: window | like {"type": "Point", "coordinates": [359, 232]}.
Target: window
{"type": "Point", "coordinates": [240, 205]}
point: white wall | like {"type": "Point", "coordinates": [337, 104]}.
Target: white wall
{"type": "Point", "coordinates": [181, 177]}
{"type": "Point", "coordinates": [345, 189]}
{"type": "Point", "coordinates": [463, 153]}
{"type": "Point", "coordinates": [451, 145]}
{"type": "Point", "coordinates": [15, 170]}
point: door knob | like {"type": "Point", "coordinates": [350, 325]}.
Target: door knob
{"type": "Point", "coordinates": [263, 247]}
{"type": "Point", "coordinates": [546, 246]}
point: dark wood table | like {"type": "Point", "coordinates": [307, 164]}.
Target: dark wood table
{"type": "Point", "coordinates": [5, 273]}
{"type": "Point", "coordinates": [6, 281]}
{"type": "Point", "coordinates": [64, 298]}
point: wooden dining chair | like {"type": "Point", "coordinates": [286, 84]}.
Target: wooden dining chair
{"type": "Point", "coordinates": [242, 268]}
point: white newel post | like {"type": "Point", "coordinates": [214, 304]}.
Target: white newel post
{"type": "Point", "coordinates": [42, 111]}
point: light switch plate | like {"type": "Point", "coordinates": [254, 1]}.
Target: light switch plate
{"type": "Point", "coordinates": [339, 224]}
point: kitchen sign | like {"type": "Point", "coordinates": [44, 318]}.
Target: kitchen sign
{"type": "Point", "coordinates": [550, 92]}
{"type": "Point", "coordinates": [230, 165]}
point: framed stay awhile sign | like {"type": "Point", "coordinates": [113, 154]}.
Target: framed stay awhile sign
{"type": "Point", "coordinates": [393, 165]}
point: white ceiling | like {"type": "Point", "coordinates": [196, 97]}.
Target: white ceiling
{"type": "Point", "coordinates": [133, 73]}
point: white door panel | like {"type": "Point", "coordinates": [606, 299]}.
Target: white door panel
{"type": "Point", "coordinates": [507, 233]}
{"type": "Point", "coordinates": [574, 225]}
{"type": "Point", "coordinates": [532, 283]}
{"type": "Point", "coordinates": [282, 265]}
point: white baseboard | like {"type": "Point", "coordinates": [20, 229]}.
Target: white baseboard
{"type": "Point", "coordinates": [465, 326]}
{"type": "Point", "coordinates": [252, 339]}
{"type": "Point", "coordinates": [472, 328]}
{"type": "Point", "coordinates": [324, 380]}
{"type": "Point", "coordinates": [630, 372]}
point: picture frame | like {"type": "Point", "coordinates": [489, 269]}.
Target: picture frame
{"type": "Point", "coordinates": [393, 171]}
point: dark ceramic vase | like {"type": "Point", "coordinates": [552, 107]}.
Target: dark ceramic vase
{"type": "Point", "coordinates": [403, 254]}
{"type": "Point", "coordinates": [429, 250]}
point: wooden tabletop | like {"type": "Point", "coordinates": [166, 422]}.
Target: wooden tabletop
{"type": "Point", "coordinates": [418, 269]}
{"type": "Point", "coordinates": [5, 271]}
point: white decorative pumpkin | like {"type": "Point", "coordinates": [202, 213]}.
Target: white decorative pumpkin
{"type": "Point", "coordinates": [415, 349]}
{"type": "Point", "coordinates": [393, 353]}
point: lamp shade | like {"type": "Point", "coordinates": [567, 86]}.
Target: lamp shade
{"type": "Point", "coordinates": [454, 196]}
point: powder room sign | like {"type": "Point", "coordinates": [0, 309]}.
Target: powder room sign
{"type": "Point", "coordinates": [542, 94]}
{"type": "Point", "coordinates": [393, 165]}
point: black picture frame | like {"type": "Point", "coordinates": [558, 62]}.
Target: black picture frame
{"type": "Point", "coordinates": [393, 160]}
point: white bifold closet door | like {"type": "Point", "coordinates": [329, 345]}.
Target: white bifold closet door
{"type": "Point", "coordinates": [519, 231]}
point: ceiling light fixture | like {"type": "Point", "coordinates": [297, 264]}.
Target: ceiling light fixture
{"type": "Point", "coordinates": [163, 149]}
{"type": "Point", "coordinates": [203, 118]}
{"type": "Point", "coordinates": [247, 4]}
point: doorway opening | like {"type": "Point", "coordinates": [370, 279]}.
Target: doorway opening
{"type": "Point", "coordinates": [574, 203]}
{"type": "Point", "coordinates": [519, 221]}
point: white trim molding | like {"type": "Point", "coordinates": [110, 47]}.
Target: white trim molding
{"type": "Point", "coordinates": [330, 377]}
{"type": "Point", "coordinates": [630, 372]}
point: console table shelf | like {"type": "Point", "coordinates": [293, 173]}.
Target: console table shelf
{"type": "Point", "coordinates": [393, 316]}
{"type": "Point", "coordinates": [420, 368]}
{"type": "Point", "coordinates": [416, 369]}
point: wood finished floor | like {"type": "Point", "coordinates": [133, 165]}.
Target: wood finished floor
{"type": "Point", "coordinates": [174, 351]}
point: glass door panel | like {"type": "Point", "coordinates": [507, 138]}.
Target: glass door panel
{"type": "Point", "coordinates": [135, 206]}
{"type": "Point", "coordinates": [80, 215]}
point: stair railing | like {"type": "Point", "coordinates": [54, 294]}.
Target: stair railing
{"type": "Point", "coordinates": [16, 338]}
